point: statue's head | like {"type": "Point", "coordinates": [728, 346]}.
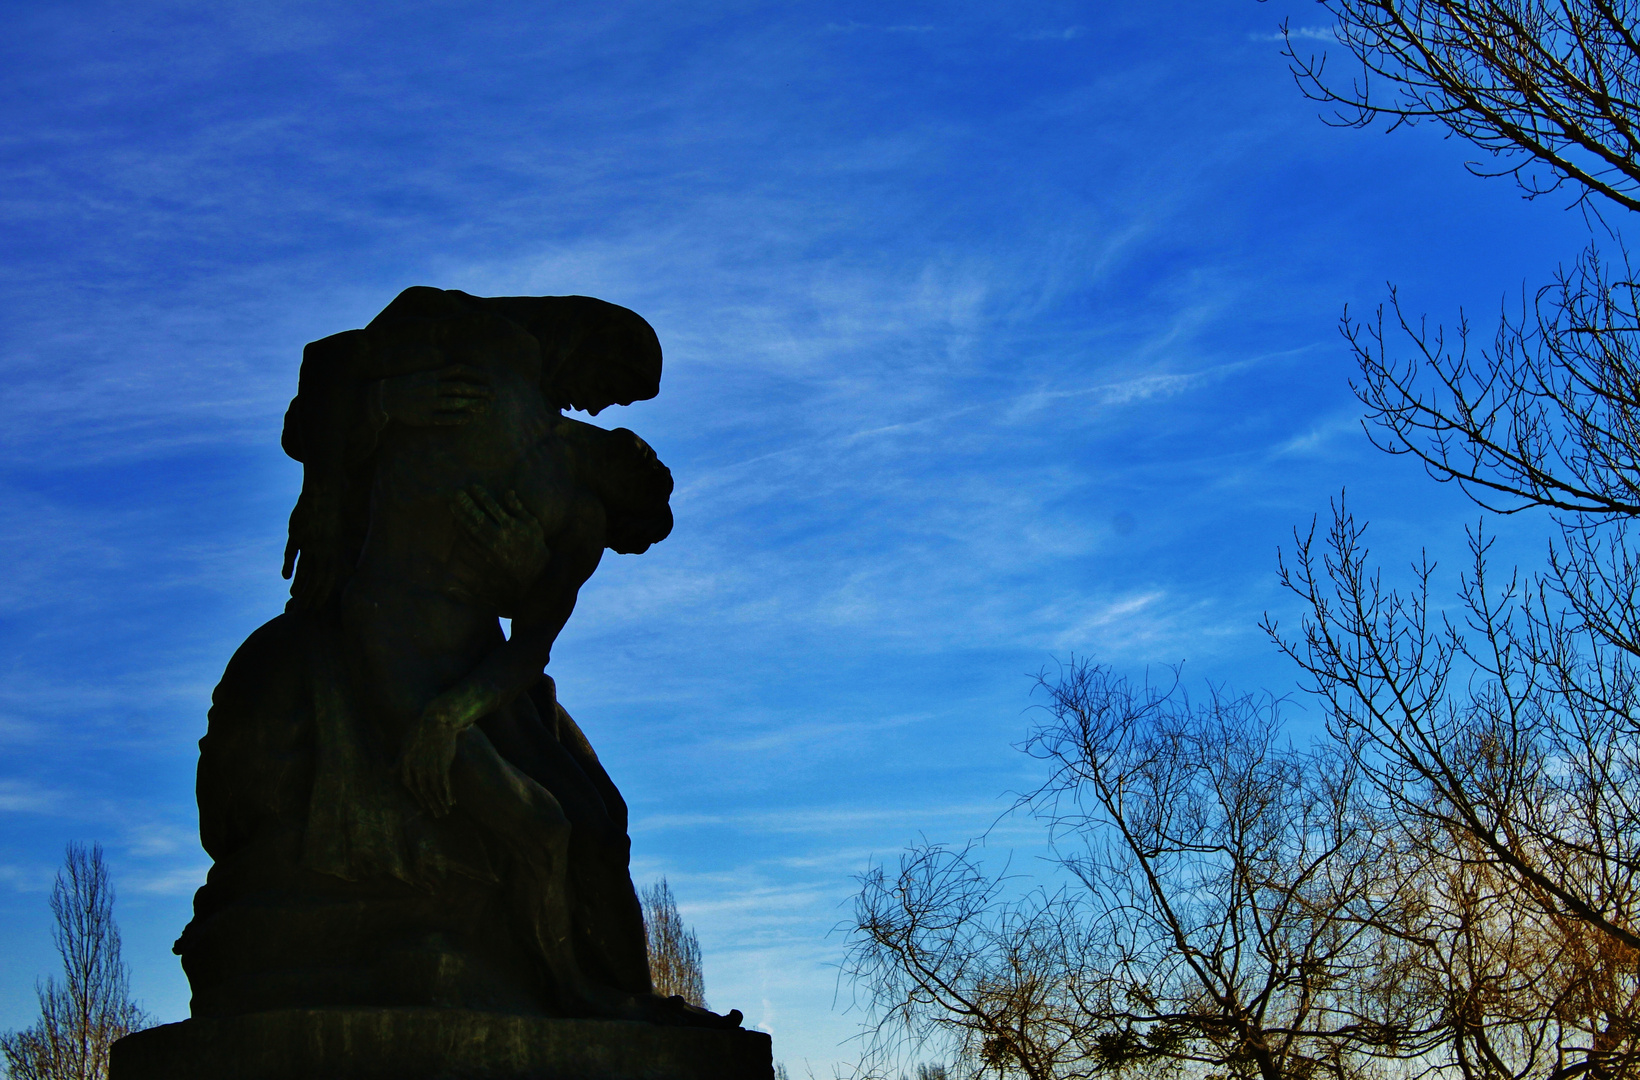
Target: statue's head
{"type": "Point", "coordinates": [594, 354]}
{"type": "Point", "coordinates": [600, 354]}
{"type": "Point", "coordinates": [636, 490]}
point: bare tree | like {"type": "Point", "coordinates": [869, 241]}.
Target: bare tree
{"type": "Point", "coordinates": [1225, 920]}
{"type": "Point", "coordinates": [1506, 759]}
{"type": "Point", "coordinates": [942, 955]}
{"type": "Point", "coordinates": [81, 1017]}
{"type": "Point", "coordinates": [1549, 88]}
{"type": "Point", "coordinates": [1451, 886]}
{"type": "Point", "coordinates": [1504, 741]}
{"type": "Point", "coordinates": [674, 951]}
{"type": "Point", "coordinates": [1550, 417]}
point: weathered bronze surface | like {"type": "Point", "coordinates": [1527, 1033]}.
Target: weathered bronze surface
{"type": "Point", "coordinates": [403, 818]}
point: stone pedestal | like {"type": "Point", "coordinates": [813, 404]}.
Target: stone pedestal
{"type": "Point", "coordinates": [434, 1044]}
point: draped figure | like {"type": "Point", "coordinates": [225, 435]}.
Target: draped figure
{"type": "Point", "coordinates": [399, 810]}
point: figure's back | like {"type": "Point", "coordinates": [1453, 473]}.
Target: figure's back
{"type": "Point", "coordinates": [414, 536]}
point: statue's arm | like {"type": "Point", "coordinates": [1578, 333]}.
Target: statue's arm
{"type": "Point", "coordinates": [508, 670]}
{"type": "Point", "coordinates": [514, 665]}
{"type": "Point", "coordinates": [443, 397]}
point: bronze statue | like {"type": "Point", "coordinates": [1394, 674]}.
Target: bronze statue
{"type": "Point", "coordinates": [400, 812]}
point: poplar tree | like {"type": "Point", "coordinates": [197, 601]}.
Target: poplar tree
{"type": "Point", "coordinates": [674, 951]}
{"type": "Point", "coordinates": [83, 1015]}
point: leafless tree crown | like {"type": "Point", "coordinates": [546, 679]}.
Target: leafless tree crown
{"type": "Point", "coordinates": [1551, 90]}
{"type": "Point", "coordinates": [1448, 884]}
{"type": "Point", "coordinates": [1222, 918]}
{"type": "Point", "coordinates": [82, 1016]}
{"type": "Point", "coordinates": [674, 951]}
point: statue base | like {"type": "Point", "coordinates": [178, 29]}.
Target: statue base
{"type": "Point", "coordinates": [434, 1044]}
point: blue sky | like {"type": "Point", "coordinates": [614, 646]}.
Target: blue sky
{"type": "Point", "coordinates": [994, 332]}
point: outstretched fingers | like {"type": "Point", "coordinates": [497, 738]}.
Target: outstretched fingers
{"type": "Point", "coordinates": [429, 784]}
{"type": "Point", "coordinates": [463, 394]}
{"type": "Point", "coordinates": [469, 512]}
{"type": "Point", "coordinates": [435, 792]}
{"type": "Point", "coordinates": [465, 374]}
{"type": "Point", "coordinates": [491, 507]}
{"type": "Point", "coordinates": [476, 518]}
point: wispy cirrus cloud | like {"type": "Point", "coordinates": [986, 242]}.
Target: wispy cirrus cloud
{"type": "Point", "coordinates": [1068, 33]}
{"type": "Point", "coordinates": [990, 338]}
{"type": "Point", "coordinates": [1298, 33]}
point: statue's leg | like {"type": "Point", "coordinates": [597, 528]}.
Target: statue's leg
{"type": "Point", "coordinates": [532, 823]}
{"type": "Point", "coordinates": [611, 921]}
{"type": "Point", "coordinates": [561, 728]}
{"type": "Point", "coordinates": [608, 921]}
{"type": "Point", "coordinates": [618, 918]}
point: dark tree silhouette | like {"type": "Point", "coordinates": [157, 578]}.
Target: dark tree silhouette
{"type": "Point", "coordinates": [1449, 887]}
{"type": "Point", "coordinates": [1223, 920]}
{"type": "Point", "coordinates": [1551, 90]}
{"type": "Point", "coordinates": [1502, 741]}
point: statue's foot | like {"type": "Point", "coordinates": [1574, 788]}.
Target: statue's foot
{"type": "Point", "coordinates": [652, 1008]}
{"type": "Point", "coordinates": [675, 1010]}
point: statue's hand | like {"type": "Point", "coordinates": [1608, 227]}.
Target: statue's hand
{"type": "Point", "coordinates": [509, 536]}
{"type": "Point", "coordinates": [313, 538]}
{"type": "Point", "coordinates": [450, 395]}
{"type": "Point", "coordinates": [425, 763]}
